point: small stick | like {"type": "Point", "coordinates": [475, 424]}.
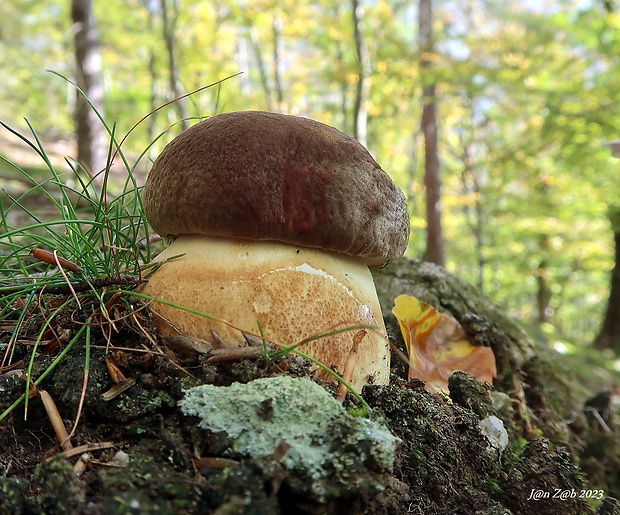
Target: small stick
{"type": "Point", "coordinates": [57, 258]}
{"type": "Point", "coordinates": [234, 354]}
{"type": "Point", "coordinates": [80, 465]}
{"type": "Point", "coordinates": [81, 404]}
{"type": "Point", "coordinates": [88, 447]}
{"type": "Point", "coordinates": [219, 341]}
{"type": "Point", "coordinates": [52, 258]}
{"type": "Point", "coordinates": [56, 420]}
{"type": "Point", "coordinates": [78, 287]}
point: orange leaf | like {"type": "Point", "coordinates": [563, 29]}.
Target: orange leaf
{"type": "Point", "coordinates": [437, 345]}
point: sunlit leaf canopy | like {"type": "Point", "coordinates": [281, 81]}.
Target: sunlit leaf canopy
{"type": "Point", "coordinates": [527, 94]}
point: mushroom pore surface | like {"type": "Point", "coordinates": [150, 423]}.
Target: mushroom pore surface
{"type": "Point", "coordinates": [292, 292]}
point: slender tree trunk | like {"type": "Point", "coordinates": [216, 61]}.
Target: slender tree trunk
{"type": "Point", "coordinates": [92, 138]}
{"type": "Point", "coordinates": [278, 50]}
{"type": "Point", "coordinates": [260, 62]}
{"type": "Point", "coordinates": [609, 335]}
{"type": "Point", "coordinates": [435, 252]}
{"type": "Point", "coordinates": [479, 235]}
{"type": "Point", "coordinates": [272, 85]}
{"type": "Point", "coordinates": [543, 293]}
{"type": "Point", "coordinates": [476, 216]}
{"type": "Point", "coordinates": [151, 121]}
{"type": "Point", "coordinates": [362, 90]}
{"type": "Point", "coordinates": [169, 29]}
{"type": "Point", "coordinates": [344, 90]}
{"type": "Point", "coordinates": [341, 75]}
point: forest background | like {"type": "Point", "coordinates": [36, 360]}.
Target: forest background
{"type": "Point", "coordinates": [526, 95]}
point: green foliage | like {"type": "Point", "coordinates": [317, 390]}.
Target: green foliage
{"type": "Point", "coordinates": [532, 170]}
{"type": "Point", "coordinates": [105, 237]}
{"type": "Point", "coordinates": [82, 243]}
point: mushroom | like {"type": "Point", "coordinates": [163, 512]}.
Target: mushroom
{"type": "Point", "coordinates": [276, 220]}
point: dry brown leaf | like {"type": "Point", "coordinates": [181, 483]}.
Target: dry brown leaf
{"type": "Point", "coordinates": [437, 345]}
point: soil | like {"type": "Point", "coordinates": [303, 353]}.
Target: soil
{"type": "Point", "coordinates": [142, 454]}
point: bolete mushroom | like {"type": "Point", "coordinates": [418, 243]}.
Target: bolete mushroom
{"type": "Point", "coordinates": [277, 219]}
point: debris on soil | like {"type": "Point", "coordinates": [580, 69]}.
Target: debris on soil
{"type": "Point", "coordinates": [165, 461]}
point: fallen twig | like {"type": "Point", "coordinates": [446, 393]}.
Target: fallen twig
{"type": "Point", "coordinates": [89, 447]}
{"type": "Point", "coordinates": [77, 287]}
{"type": "Point", "coordinates": [56, 420]}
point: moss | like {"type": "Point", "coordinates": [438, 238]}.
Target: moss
{"type": "Point", "coordinates": [61, 491]}
{"type": "Point", "coordinates": [471, 394]}
{"type": "Point", "coordinates": [147, 487]}
{"type": "Point", "coordinates": [543, 468]}
{"type": "Point", "coordinates": [13, 496]}
{"type": "Point", "coordinates": [492, 485]}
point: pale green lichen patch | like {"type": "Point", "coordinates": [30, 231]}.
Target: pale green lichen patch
{"type": "Point", "coordinates": [259, 416]}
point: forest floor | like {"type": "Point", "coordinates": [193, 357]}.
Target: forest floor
{"type": "Point", "coordinates": [140, 452]}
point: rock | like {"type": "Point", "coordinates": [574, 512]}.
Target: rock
{"type": "Point", "coordinates": [493, 429]}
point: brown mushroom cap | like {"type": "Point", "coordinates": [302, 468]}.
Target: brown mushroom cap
{"type": "Point", "coordinates": [267, 176]}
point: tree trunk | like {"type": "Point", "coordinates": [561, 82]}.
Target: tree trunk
{"type": "Point", "coordinates": [435, 252]}
{"type": "Point", "coordinates": [169, 28]}
{"type": "Point", "coordinates": [278, 62]}
{"type": "Point", "coordinates": [543, 292]}
{"type": "Point", "coordinates": [544, 314]}
{"type": "Point", "coordinates": [151, 121]}
{"type": "Point", "coordinates": [362, 90]}
{"type": "Point", "coordinates": [341, 75]}
{"type": "Point", "coordinates": [609, 336]}
{"type": "Point", "coordinates": [475, 217]}
{"type": "Point", "coordinates": [260, 62]}
{"type": "Point", "coordinates": [92, 139]}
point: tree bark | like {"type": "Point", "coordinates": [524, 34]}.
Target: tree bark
{"type": "Point", "coordinates": [475, 217]}
{"type": "Point", "coordinates": [362, 90]}
{"type": "Point", "coordinates": [543, 293]}
{"type": "Point", "coordinates": [260, 63]}
{"type": "Point", "coordinates": [609, 335]}
{"type": "Point", "coordinates": [543, 271]}
{"type": "Point", "coordinates": [169, 29]}
{"type": "Point", "coordinates": [278, 68]}
{"type": "Point", "coordinates": [92, 139]}
{"type": "Point", "coordinates": [435, 247]}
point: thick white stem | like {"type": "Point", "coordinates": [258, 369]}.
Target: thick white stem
{"type": "Point", "coordinates": [292, 292]}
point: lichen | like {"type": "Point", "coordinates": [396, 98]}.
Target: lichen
{"type": "Point", "coordinates": [323, 438]}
